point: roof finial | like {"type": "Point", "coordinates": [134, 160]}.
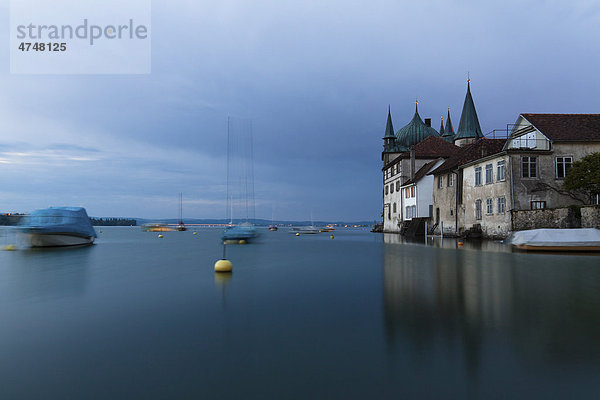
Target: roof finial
{"type": "Point", "coordinates": [416, 105]}
{"type": "Point", "coordinates": [468, 77]}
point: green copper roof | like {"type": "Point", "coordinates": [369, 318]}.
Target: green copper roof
{"type": "Point", "coordinates": [449, 131]}
{"type": "Point", "coordinates": [414, 132]}
{"type": "Point", "coordinates": [389, 128]}
{"type": "Point", "coordinates": [469, 123]}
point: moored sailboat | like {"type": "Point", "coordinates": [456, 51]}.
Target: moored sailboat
{"type": "Point", "coordinates": [181, 227]}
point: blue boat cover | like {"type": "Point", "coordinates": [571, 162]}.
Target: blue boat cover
{"type": "Point", "coordinates": [239, 232]}
{"type": "Point", "coordinates": [60, 220]}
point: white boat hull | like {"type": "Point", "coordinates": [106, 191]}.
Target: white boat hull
{"type": "Point", "coordinates": [57, 240]}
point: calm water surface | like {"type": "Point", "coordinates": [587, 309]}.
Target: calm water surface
{"type": "Point", "coordinates": [361, 316]}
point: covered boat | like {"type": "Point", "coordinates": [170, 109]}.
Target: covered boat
{"type": "Point", "coordinates": [245, 231]}
{"type": "Point", "coordinates": [587, 239]}
{"type": "Point", "coordinates": [305, 230]}
{"type": "Point", "coordinates": [58, 226]}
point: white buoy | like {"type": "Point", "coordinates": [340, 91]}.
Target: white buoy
{"type": "Point", "coordinates": [297, 234]}
{"type": "Point", "coordinates": [223, 266]}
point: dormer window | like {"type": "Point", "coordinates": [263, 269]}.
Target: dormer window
{"type": "Point", "coordinates": [530, 139]}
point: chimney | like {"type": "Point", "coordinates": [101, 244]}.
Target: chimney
{"type": "Point", "coordinates": [412, 162]}
{"type": "Point", "coordinates": [428, 122]}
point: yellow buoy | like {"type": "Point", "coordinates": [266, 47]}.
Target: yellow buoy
{"type": "Point", "coordinates": [10, 247]}
{"type": "Point", "coordinates": [160, 236]}
{"type": "Point", "coordinates": [223, 266]}
{"type": "Point", "coordinates": [297, 234]}
{"type": "Point", "coordinates": [195, 233]}
{"type": "Point", "coordinates": [331, 236]}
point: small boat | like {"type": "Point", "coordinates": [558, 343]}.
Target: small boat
{"type": "Point", "coordinates": [155, 227]}
{"type": "Point", "coordinates": [587, 239]}
{"type": "Point", "coordinates": [58, 227]}
{"type": "Point", "coordinates": [245, 232]}
{"type": "Point", "coordinates": [273, 228]}
{"type": "Point", "coordinates": [305, 230]}
{"type": "Point", "coordinates": [327, 229]}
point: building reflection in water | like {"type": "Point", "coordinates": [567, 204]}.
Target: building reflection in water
{"type": "Point", "coordinates": [495, 305]}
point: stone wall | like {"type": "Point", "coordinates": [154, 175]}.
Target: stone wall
{"type": "Point", "coordinates": [568, 217]}
{"type": "Point", "coordinates": [590, 217]}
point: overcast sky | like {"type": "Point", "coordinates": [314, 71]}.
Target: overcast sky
{"type": "Point", "coordinates": [315, 77]}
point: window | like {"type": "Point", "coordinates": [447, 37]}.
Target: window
{"type": "Point", "coordinates": [386, 189]}
{"type": "Point", "coordinates": [397, 186]}
{"type": "Point", "coordinates": [450, 179]}
{"type": "Point", "coordinates": [537, 205]}
{"type": "Point", "coordinates": [501, 205]}
{"type": "Point", "coordinates": [451, 212]}
{"type": "Point", "coordinates": [412, 191]}
{"type": "Point", "coordinates": [489, 173]}
{"type": "Point", "coordinates": [477, 176]}
{"type": "Point", "coordinates": [394, 169]}
{"type": "Point", "coordinates": [394, 208]}
{"type": "Point", "coordinates": [529, 167]}
{"type": "Point", "coordinates": [440, 182]}
{"type": "Point", "coordinates": [478, 209]}
{"type": "Point", "coordinates": [392, 188]}
{"type": "Point", "coordinates": [411, 212]}
{"type": "Point", "coordinates": [563, 164]}
{"type": "Point", "coordinates": [406, 193]}
{"type": "Point", "coordinates": [501, 172]}
{"type": "Point", "coordinates": [489, 206]}
{"type": "Point", "coordinates": [407, 212]}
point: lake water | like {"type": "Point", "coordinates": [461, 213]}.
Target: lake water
{"type": "Point", "coordinates": [357, 317]}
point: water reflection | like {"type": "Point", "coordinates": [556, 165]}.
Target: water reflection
{"type": "Point", "coordinates": [449, 243]}
{"type": "Point", "coordinates": [41, 274]}
{"type": "Point", "coordinates": [510, 309]}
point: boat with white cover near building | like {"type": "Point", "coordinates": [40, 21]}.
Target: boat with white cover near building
{"type": "Point", "coordinates": [587, 239]}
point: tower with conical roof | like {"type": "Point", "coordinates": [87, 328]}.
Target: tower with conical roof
{"type": "Point", "coordinates": [449, 130]}
{"type": "Point", "coordinates": [442, 127]}
{"type": "Point", "coordinates": [389, 139]}
{"type": "Point", "coordinates": [469, 130]}
{"type": "Point", "coordinates": [414, 132]}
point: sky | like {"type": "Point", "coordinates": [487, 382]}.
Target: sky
{"type": "Point", "coordinates": [315, 78]}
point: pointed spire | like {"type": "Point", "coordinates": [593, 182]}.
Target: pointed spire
{"type": "Point", "coordinates": [416, 106]}
{"type": "Point", "coordinates": [442, 127]}
{"type": "Point", "coordinates": [389, 127]}
{"type": "Point", "coordinates": [449, 128]}
{"type": "Point", "coordinates": [468, 128]}
{"type": "Point", "coordinates": [448, 134]}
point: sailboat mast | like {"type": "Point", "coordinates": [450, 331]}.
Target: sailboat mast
{"type": "Point", "coordinates": [180, 208]}
{"type": "Point", "coordinates": [229, 205]}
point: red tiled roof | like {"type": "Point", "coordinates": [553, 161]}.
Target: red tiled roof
{"type": "Point", "coordinates": [432, 147]}
{"type": "Point", "coordinates": [420, 173]}
{"type": "Point", "coordinates": [480, 149]}
{"type": "Point", "coordinates": [567, 127]}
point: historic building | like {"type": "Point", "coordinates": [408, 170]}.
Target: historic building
{"type": "Point", "coordinates": [463, 182]}
{"type": "Point", "coordinates": [542, 148]}
{"type": "Point", "coordinates": [416, 144]}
